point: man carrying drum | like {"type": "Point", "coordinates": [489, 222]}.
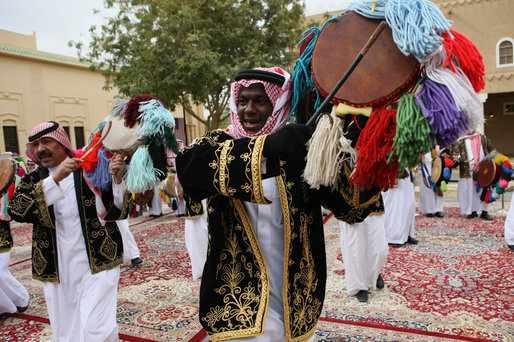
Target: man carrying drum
{"type": "Point", "coordinates": [77, 248]}
{"type": "Point", "coordinates": [469, 151]}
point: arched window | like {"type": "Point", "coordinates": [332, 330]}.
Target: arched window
{"type": "Point", "coordinates": [505, 52]}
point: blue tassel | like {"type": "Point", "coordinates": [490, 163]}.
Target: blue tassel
{"type": "Point", "coordinates": [142, 175]}
{"type": "Point", "coordinates": [477, 188]}
{"type": "Point", "coordinates": [100, 176]}
{"type": "Point", "coordinates": [154, 118]}
{"type": "Point", "coordinates": [417, 26]}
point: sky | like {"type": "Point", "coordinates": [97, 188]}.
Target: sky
{"type": "Point", "coordinates": [56, 22]}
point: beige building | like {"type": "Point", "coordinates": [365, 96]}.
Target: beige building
{"type": "Point", "coordinates": [36, 86]}
{"type": "Point", "coordinates": [489, 25]}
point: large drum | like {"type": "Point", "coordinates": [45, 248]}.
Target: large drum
{"type": "Point", "coordinates": [486, 173]}
{"type": "Point", "coordinates": [7, 174]}
{"type": "Point", "coordinates": [383, 74]}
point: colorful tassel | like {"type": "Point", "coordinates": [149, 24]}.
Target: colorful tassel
{"type": "Point", "coordinates": [374, 145]}
{"type": "Point", "coordinates": [458, 84]}
{"type": "Point", "coordinates": [416, 26]}
{"type": "Point", "coordinates": [154, 118]}
{"type": "Point", "coordinates": [142, 175]}
{"type": "Point", "coordinates": [466, 55]}
{"type": "Point", "coordinates": [119, 107]}
{"type": "Point", "coordinates": [132, 109]}
{"type": "Point", "coordinates": [100, 176]}
{"type": "Point", "coordinates": [412, 132]}
{"type": "Point", "coordinates": [439, 108]}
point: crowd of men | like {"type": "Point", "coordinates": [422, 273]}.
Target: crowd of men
{"type": "Point", "coordinates": [265, 264]}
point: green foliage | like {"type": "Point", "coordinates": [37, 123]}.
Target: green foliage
{"type": "Point", "coordinates": [187, 52]}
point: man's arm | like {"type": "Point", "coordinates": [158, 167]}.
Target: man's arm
{"type": "Point", "coordinates": [220, 165]}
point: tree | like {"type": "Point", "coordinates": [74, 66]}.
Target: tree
{"type": "Point", "coordinates": [187, 51]}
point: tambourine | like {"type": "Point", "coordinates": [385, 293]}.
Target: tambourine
{"type": "Point", "coordinates": [7, 174]}
{"type": "Point", "coordinates": [437, 170]}
{"type": "Point", "coordinates": [383, 74]}
{"type": "Point", "coordinates": [121, 139]}
{"type": "Point", "coordinates": [486, 173]}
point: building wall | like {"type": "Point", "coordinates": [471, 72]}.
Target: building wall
{"type": "Point", "coordinates": [36, 86]}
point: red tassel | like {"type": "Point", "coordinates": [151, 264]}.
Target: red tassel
{"type": "Point", "coordinates": [470, 59]}
{"type": "Point", "coordinates": [132, 109]}
{"type": "Point", "coordinates": [374, 145]}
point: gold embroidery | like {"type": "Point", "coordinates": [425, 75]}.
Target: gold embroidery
{"type": "Point", "coordinates": [245, 308]}
{"type": "Point", "coordinates": [258, 192]}
{"type": "Point", "coordinates": [223, 174]}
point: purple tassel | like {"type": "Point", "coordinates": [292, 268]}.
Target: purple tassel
{"type": "Point", "coordinates": [438, 106]}
{"type": "Point", "coordinates": [100, 176]}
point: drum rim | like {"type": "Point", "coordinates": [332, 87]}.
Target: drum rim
{"type": "Point", "coordinates": [388, 99]}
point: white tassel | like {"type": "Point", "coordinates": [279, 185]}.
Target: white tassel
{"type": "Point", "coordinates": [326, 155]}
{"type": "Point", "coordinates": [458, 84]}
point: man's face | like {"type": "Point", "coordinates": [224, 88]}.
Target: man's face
{"type": "Point", "coordinates": [49, 151]}
{"type": "Point", "coordinates": [253, 107]}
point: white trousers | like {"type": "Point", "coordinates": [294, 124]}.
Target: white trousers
{"type": "Point", "coordinates": [469, 198]}
{"type": "Point", "coordinates": [12, 292]}
{"type": "Point", "coordinates": [400, 207]}
{"type": "Point", "coordinates": [130, 249]}
{"type": "Point", "coordinates": [509, 223]}
{"type": "Point", "coordinates": [197, 239]}
{"type": "Point", "coordinates": [364, 248]}
{"type": "Point", "coordinates": [84, 310]}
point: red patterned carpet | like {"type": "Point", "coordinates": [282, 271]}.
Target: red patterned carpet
{"type": "Point", "coordinates": [456, 284]}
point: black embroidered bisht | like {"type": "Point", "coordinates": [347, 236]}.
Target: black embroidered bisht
{"type": "Point", "coordinates": [103, 243]}
{"type": "Point", "coordinates": [5, 236]}
{"type": "Point", "coordinates": [234, 291]}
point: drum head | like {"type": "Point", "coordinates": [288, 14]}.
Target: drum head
{"type": "Point", "coordinates": [381, 76]}
{"type": "Point", "coordinates": [7, 174]}
{"type": "Point", "coordinates": [142, 198]}
{"type": "Point", "coordinates": [121, 139]}
{"type": "Point", "coordinates": [486, 173]}
{"type": "Point", "coordinates": [437, 168]}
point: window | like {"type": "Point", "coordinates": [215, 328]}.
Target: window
{"type": "Point", "coordinates": [11, 139]}
{"type": "Point", "coordinates": [508, 108]}
{"type": "Point", "coordinates": [79, 137]}
{"type": "Point", "coordinates": [67, 130]}
{"type": "Point", "coordinates": [505, 55]}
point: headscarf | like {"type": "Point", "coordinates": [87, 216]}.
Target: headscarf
{"type": "Point", "coordinates": [50, 129]}
{"type": "Point", "coordinates": [279, 96]}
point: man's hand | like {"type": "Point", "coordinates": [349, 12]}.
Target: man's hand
{"type": "Point", "coordinates": [65, 168]}
{"type": "Point", "coordinates": [287, 142]}
{"type": "Point", "coordinates": [117, 166]}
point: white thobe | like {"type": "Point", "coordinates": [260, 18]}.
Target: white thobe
{"type": "Point", "coordinates": [12, 293]}
{"type": "Point", "coordinates": [429, 202]}
{"type": "Point", "coordinates": [468, 197]}
{"type": "Point", "coordinates": [197, 239]}
{"type": "Point", "coordinates": [400, 207]}
{"type": "Point", "coordinates": [130, 249]}
{"type": "Point", "coordinates": [509, 223]}
{"type": "Point", "coordinates": [156, 208]}
{"type": "Point", "coordinates": [82, 307]}
{"type": "Point", "coordinates": [364, 248]}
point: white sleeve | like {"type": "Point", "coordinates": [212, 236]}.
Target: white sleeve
{"type": "Point", "coordinates": [53, 192]}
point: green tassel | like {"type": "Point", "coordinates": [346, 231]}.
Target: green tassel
{"type": "Point", "coordinates": [142, 175]}
{"type": "Point", "coordinates": [412, 133]}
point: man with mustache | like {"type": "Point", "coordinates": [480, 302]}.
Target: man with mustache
{"type": "Point", "coordinates": [76, 244]}
{"type": "Point", "coordinates": [265, 273]}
